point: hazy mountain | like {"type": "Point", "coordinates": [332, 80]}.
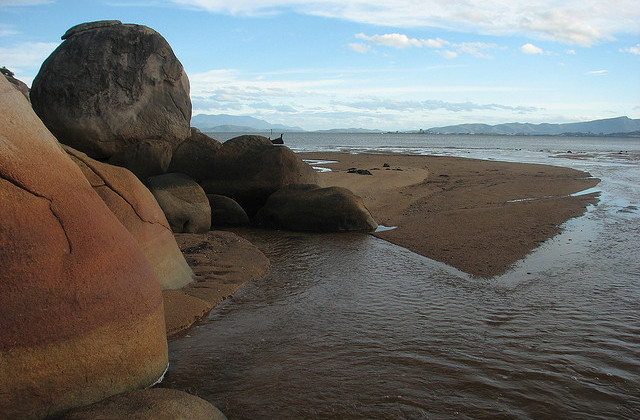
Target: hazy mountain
{"type": "Point", "coordinates": [606, 126]}
{"type": "Point", "coordinates": [349, 130]}
{"type": "Point", "coordinates": [235, 123]}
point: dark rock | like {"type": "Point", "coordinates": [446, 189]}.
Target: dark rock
{"type": "Point", "coordinates": [88, 26]}
{"type": "Point", "coordinates": [359, 171]}
{"type": "Point", "coordinates": [226, 212]}
{"type": "Point", "coordinates": [249, 169]}
{"type": "Point", "coordinates": [308, 207]}
{"type": "Point", "coordinates": [183, 201]}
{"type": "Point", "coordinates": [109, 85]}
{"type": "Point", "coordinates": [195, 156]}
{"type": "Point", "coordinates": [144, 158]}
{"type": "Point", "coordinates": [149, 404]}
{"type": "Point", "coordinates": [385, 165]}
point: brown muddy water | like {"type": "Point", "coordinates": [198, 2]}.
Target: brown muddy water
{"type": "Point", "coordinates": [352, 327]}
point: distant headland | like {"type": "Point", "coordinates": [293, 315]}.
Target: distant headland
{"type": "Point", "coordinates": [610, 127]}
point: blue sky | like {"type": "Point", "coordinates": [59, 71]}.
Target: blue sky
{"type": "Point", "coordinates": [391, 65]}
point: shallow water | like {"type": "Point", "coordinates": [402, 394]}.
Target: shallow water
{"type": "Point", "coordinates": [350, 326]}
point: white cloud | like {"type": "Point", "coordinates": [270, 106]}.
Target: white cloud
{"type": "Point", "coordinates": [4, 3]}
{"type": "Point", "coordinates": [571, 52]}
{"type": "Point", "coordinates": [27, 54]}
{"type": "Point", "coordinates": [7, 30]}
{"type": "Point", "coordinates": [360, 47]}
{"type": "Point", "coordinates": [582, 22]}
{"type": "Point", "coordinates": [391, 40]}
{"type": "Point", "coordinates": [401, 41]}
{"type": "Point", "coordinates": [531, 49]}
{"type": "Point", "coordinates": [598, 72]}
{"type": "Point", "coordinates": [449, 54]}
{"type": "Point", "coordinates": [633, 50]}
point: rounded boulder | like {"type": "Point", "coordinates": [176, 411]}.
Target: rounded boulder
{"type": "Point", "coordinates": [82, 315]}
{"type": "Point", "coordinates": [136, 208]}
{"type": "Point", "coordinates": [183, 202]}
{"type": "Point", "coordinates": [109, 85]}
{"type": "Point", "coordinates": [308, 207]}
{"type": "Point", "coordinates": [250, 168]}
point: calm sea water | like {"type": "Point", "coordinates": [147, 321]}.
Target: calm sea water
{"type": "Point", "coordinates": [351, 327]}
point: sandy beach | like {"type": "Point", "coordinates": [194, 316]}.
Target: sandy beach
{"type": "Point", "coordinates": [478, 216]}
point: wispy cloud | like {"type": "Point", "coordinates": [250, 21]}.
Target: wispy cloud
{"type": "Point", "coordinates": [7, 30]}
{"type": "Point", "coordinates": [582, 22]}
{"type": "Point", "coordinates": [430, 105]}
{"type": "Point", "coordinates": [598, 72]}
{"type": "Point", "coordinates": [531, 49]}
{"type": "Point", "coordinates": [446, 48]}
{"type": "Point", "coordinates": [398, 41]}
{"type": "Point", "coordinates": [633, 50]}
{"type": "Point", "coordinates": [26, 54]}
{"type": "Point", "coordinates": [7, 3]}
{"type": "Point", "coordinates": [359, 47]}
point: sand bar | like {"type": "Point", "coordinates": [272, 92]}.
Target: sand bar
{"type": "Point", "coordinates": [478, 216]}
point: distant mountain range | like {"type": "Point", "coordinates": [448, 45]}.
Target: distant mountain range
{"type": "Point", "coordinates": [235, 123]}
{"type": "Point", "coordinates": [610, 126]}
{"type": "Point", "coordinates": [596, 127]}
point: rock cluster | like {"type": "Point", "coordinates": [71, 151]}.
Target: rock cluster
{"type": "Point", "coordinates": [88, 252]}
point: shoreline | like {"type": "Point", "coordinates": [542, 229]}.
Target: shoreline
{"type": "Point", "coordinates": [478, 216]}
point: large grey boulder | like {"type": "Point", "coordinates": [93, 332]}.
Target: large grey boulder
{"type": "Point", "coordinates": [249, 169]}
{"type": "Point", "coordinates": [184, 203]}
{"type": "Point", "coordinates": [309, 207]}
{"type": "Point", "coordinates": [109, 85]}
{"type": "Point", "coordinates": [195, 155]}
{"type": "Point", "coordinates": [226, 211]}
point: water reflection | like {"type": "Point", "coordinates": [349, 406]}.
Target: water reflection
{"type": "Point", "coordinates": [349, 326]}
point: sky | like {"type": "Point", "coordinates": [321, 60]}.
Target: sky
{"type": "Point", "coordinates": [376, 64]}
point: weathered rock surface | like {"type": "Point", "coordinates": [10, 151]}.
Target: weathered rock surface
{"type": "Point", "coordinates": [109, 85]}
{"type": "Point", "coordinates": [18, 84]}
{"type": "Point", "coordinates": [308, 207]}
{"type": "Point", "coordinates": [226, 211]}
{"type": "Point", "coordinates": [82, 315]}
{"type": "Point", "coordinates": [195, 156]}
{"type": "Point", "coordinates": [183, 202]}
{"type": "Point", "coordinates": [250, 168]}
{"type": "Point", "coordinates": [144, 158]}
{"type": "Point", "coordinates": [149, 404]}
{"type": "Point", "coordinates": [136, 208]}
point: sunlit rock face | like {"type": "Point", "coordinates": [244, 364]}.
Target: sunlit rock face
{"type": "Point", "coordinates": [136, 208]}
{"type": "Point", "coordinates": [81, 314]}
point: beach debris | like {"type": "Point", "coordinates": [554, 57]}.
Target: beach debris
{"type": "Point", "coordinates": [359, 171]}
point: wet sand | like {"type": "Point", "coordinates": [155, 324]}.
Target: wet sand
{"type": "Point", "coordinates": [478, 216]}
{"type": "Point", "coordinates": [221, 262]}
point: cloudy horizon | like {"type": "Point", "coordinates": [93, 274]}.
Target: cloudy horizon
{"type": "Point", "coordinates": [373, 64]}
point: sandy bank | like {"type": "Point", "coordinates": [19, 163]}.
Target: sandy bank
{"type": "Point", "coordinates": [463, 212]}
{"type": "Point", "coordinates": [221, 262]}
